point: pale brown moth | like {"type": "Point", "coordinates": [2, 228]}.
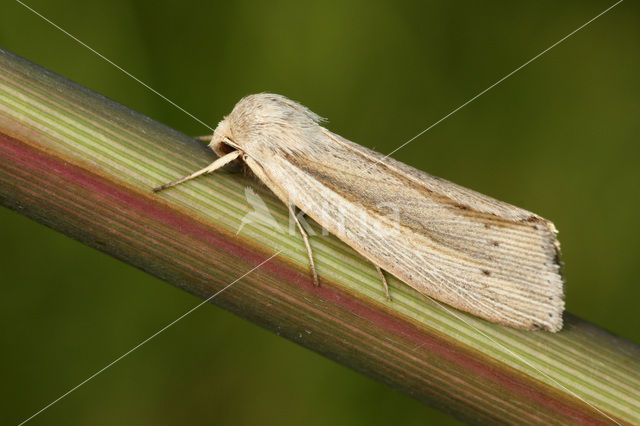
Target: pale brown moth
{"type": "Point", "coordinates": [466, 249]}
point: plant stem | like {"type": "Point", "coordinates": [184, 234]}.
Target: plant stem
{"type": "Point", "coordinates": [85, 165]}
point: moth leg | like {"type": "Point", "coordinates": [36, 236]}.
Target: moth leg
{"type": "Point", "coordinates": [206, 138]}
{"type": "Point", "coordinates": [306, 243]}
{"type": "Point", "coordinates": [220, 162]}
{"type": "Point", "coordinates": [384, 282]}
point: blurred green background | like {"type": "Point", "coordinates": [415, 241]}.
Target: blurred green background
{"type": "Point", "coordinates": [559, 138]}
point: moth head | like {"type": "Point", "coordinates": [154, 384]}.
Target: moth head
{"type": "Point", "coordinates": [263, 122]}
{"type": "Point", "coordinates": [222, 141]}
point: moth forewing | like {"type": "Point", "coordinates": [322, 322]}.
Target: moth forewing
{"type": "Point", "coordinates": [456, 245]}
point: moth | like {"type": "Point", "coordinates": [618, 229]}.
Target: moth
{"type": "Point", "coordinates": [463, 248]}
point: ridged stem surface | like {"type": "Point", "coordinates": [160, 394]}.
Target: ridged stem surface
{"type": "Point", "coordinates": [85, 165]}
